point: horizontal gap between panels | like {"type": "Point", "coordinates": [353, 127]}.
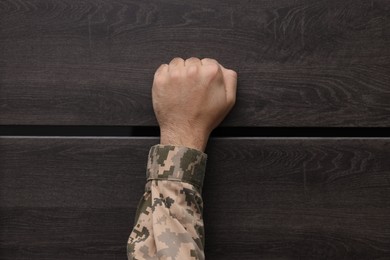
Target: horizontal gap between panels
{"type": "Point", "coordinates": [147, 131]}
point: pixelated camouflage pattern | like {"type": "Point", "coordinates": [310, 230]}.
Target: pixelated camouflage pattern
{"type": "Point", "coordinates": [176, 163]}
{"type": "Point", "coordinates": [169, 223]}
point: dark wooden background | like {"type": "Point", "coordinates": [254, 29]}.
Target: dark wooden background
{"type": "Point", "coordinates": [300, 64]}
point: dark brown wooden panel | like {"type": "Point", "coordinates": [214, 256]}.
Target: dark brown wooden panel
{"type": "Point", "coordinates": [73, 172]}
{"type": "Point", "coordinates": [64, 233]}
{"type": "Point", "coordinates": [69, 198]}
{"type": "Point", "coordinates": [300, 63]}
{"type": "Point", "coordinates": [265, 198]}
{"type": "Point", "coordinates": [314, 198]}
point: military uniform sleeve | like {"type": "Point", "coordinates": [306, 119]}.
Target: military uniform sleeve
{"type": "Point", "coordinates": [168, 223]}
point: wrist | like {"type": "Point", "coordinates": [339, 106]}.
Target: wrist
{"type": "Point", "coordinates": [191, 139]}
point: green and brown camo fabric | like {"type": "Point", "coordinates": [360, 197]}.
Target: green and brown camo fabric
{"type": "Point", "coordinates": [168, 223]}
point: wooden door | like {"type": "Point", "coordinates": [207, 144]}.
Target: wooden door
{"type": "Point", "coordinates": [300, 169]}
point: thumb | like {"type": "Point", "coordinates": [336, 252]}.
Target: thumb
{"type": "Point", "coordinates": [230, 78]}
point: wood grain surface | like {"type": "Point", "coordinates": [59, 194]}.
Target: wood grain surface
{"type": "Point", "coordinates": [300, 63]}
{"type": "Point", "coordinates": [265, 198]}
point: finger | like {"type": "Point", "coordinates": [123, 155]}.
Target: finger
{"type": "Point", "coordinates": [192, 61]}
{"type": "Point", "coordinates": [206, 61]}
{"type": "Point", "coordinates": [163, 68]}
{"type": "Point", "coordinates": [230, 78]}
{"type": "Point", "coordinates": [176, 62]}
{"type": "Point", "coordinates": [230, 73]}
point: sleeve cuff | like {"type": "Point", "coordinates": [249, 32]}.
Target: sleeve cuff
{"type": "Point", "coordinates": [176, 163]}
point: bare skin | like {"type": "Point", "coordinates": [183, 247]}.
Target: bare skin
{"type": "Point", "coordinates": [190, 98]}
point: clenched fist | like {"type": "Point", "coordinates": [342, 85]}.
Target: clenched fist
{"type": "Point", "coordinates": [190, 98]}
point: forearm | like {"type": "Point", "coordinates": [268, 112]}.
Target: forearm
{"type": "Point", "coordinates": [169, 219]}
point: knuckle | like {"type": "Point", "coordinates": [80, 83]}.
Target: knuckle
{"type": "Point", "coordinates": [160, 69]}
{"type": "Point", "coordinates": [210, 60]}
{"type": "Point", "coordinates": [212, 70]}
{"type": "Point", "coordinates": [176, 60]}
{"type": "Point", "coordinates": [192, 71]}
{"type": "Point", "coordinates": [233, 73]}
{"type": "Point", "coordinates": [193, 59]}
{"type": "Point", "coordinates": [175, 74]}
{"type": "Point", "coordinates": [159, 80]}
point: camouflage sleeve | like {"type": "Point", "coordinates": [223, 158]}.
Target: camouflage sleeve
{"type": "Point", "coordinates": [168, 223]}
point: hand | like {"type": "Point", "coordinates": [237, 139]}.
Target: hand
{"type": "Point", "coordinates": [191, 98]}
